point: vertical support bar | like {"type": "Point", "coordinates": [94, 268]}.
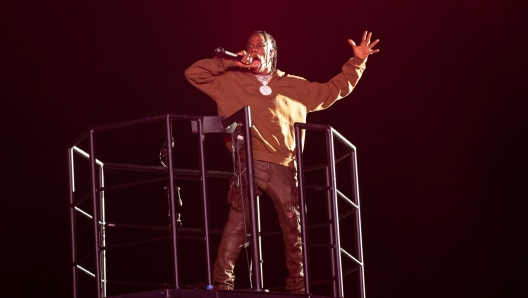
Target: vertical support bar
{"type": "Point", "coordinates": [357, 217]}
{"type": "Point", "coordinates": [95, 215]}
{"type": "Point", "coordinates": [260, 258]}
{"type": "Point", "coordinates": [334, 210]}
{"type": "Point", "coordinates": [331, 230]}
{"type": "Point", "coordinates": [302, 205]}
{"type": "Point", "coordinates": [201, 137]}
{"type": "Point", "coordinates": [257, 277]}
{"type": "Point", "coordinates": [172, 202]}
{"type": "Point", "coordinates": [71, 177]}
{"type": "Point", "coordinates": [102, 230]}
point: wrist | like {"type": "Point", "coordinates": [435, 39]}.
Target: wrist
{"type": "Point", "coordinates": [360, 60]}
{"type": "Point", "coordinates": [229, 62]}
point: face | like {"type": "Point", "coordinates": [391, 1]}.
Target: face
{"type": "Point", "coordinates": [258, 47]}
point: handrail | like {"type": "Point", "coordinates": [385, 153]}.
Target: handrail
{"type": "Point", "coordinates": [242, 118]}
{"type": "Point", "coordinates": [332, 196]}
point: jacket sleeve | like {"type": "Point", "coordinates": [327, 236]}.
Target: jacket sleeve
{"type": "Point", "coordinates": [206, 75]}
{"type": "Point", "coordinates": [319, 96]}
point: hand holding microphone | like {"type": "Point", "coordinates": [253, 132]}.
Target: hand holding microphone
{"type": "Point", "coordinates": [243, 59]}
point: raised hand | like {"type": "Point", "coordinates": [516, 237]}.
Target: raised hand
{"type": "Point", "coordinates": [365, 48]}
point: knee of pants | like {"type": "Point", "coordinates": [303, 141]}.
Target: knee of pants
{"type": "Point", "coordinates": [289, 210]}
{"type": "Point", "coordinates": [237, 196]}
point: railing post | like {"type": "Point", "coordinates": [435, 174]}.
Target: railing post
{"type": "Point", "coordinates": [338, 272]}
{"type": "Point", "coordinates": [96, 227]}
{"type": "Point", "coordinates": [102, 230]}
{"type": "Point", "coordinates": [302, 207]}
{"type": "Point", "coordinates": [168, 123]}
{"type": "Point", "coordinates": [244, 116]}
{"type": "Point", "coordinates": [255, 217]}
{"type": "Point", "coordinates": [357, 217]}
{"type": "Point", "coordinates": [201, 137]}
{"type": "Point", "coordinates": [71, 178]}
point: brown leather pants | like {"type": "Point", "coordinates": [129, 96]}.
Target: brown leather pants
{"type": "Point", "coordinates": [280, 183]}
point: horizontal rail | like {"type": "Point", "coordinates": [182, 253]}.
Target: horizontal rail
{"type": "Point", "coordinates": [320, 166]}
{"type": "Point", "coordinates": [238, 116]}
{"type": "Point", "coordinates": [195, 230]}
{"type": "Point", "coordinates": [164, 170]}
{"type": "Point", "coordinates": [202, 238]}
{"type": "Point", "coordinates": [160, 118]}
{"type": "Point", "coordinates": [124, 185]}
{"type": "Point", "coordinates": [343, 140]}
{"type": "Point", "coordinates": [136, 168]}
{"type": "Point", "coordinates": [319, 225]}
{"type": "Point", "coordinates": [135, 283]}
{"type": "Point", "coordinates": [132, 226]}
{"type": "Point", "coordinates": [322, 281]}
{"type": "Point", "coordinates": [326, 128]}
{"type": "Point", "coordinates": [86, 155]}
{"type": "Point", "coordinates": [324, 245]}
{"type": "Point", "coordinates": [180, 230]}
{"type": "Point", "coordinates": [313, 126]}
{"type": "Point", "coordinates": [135, 242]}
{"type": "Point", "coordinates": [317, 187]}
{"type": "Point", "coordinates": [160, 228]}
{"type": "Point", "coordinates": [187, 178]}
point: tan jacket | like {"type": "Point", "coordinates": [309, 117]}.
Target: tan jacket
{"type": "Point", "coordinates": [274, 115]}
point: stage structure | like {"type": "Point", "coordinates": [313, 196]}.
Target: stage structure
{"type": "Point", "coordinates": [94, 262]}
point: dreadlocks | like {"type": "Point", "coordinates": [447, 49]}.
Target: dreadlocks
{"type": "Point", "coordinates": [272, 44]}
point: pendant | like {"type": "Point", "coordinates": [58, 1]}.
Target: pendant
{"type": "Point", "coordinates": [265, 90]}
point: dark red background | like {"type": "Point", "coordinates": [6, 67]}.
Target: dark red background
{"type": "Point", "coordinates": [438, 120]}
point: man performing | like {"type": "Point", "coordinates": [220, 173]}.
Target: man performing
{"type": "Point", "coordinates": [277, 101]}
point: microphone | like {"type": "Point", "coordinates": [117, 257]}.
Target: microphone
{"type": "Point", "coordinates": [220, 52]}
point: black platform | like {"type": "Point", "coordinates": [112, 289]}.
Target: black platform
{"type": "Point", "coordinates": [173, 293]}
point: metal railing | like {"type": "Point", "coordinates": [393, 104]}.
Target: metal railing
{"type": "Point", "coordinates": [203, 125]}
{"type": "Point", "coordinates": [97, 196]}
{"type": "Point", "coordinates": [332, 194]}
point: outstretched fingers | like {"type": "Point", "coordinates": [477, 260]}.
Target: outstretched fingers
{"type": "Point", "coordinates": [372, 45]}
{"type": "Point", "coordinates": [366, 37]}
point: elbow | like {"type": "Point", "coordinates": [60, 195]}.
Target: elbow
{"type": "Point", "coordinates": [187, 73]}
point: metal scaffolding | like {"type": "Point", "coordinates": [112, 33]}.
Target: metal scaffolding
{"type": "Point", "coordinates": [170, 174]}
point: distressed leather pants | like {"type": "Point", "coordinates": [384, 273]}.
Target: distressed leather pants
{"type": "Point", "coordinates": [280, 183]}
